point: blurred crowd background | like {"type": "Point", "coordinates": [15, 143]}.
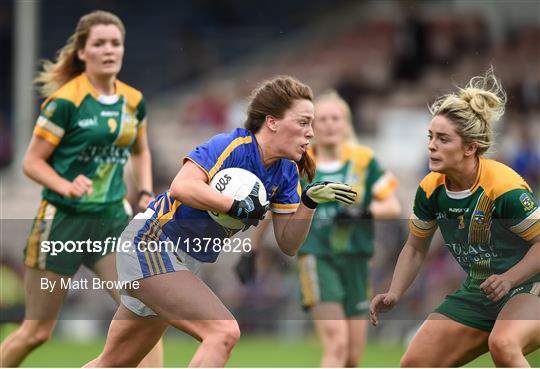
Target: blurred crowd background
{"type": "Point", "coordinates": [196, 62]}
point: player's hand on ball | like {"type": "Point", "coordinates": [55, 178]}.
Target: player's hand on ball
{"type": "Point", "coordinates": [79, 187]}
{"type": "Point", "coordinates": [381, 304]}
{"type": "Point", "coordinates": [249, 210]}
{"type": "Point", "coordinates": [321, 192]}
{"type": "Point", "coordinates": [496, 287]}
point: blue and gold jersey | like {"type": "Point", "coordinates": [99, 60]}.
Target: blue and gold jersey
{"type": "Point", "coordinates": [238, 149]}
{"type": "Point", "coordinates": [487, 228]}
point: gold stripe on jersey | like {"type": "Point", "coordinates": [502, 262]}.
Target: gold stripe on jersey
{"type": "Point", "coordinates": [309, 280]}
{"type": "Point", "coordinates": [50, 126]}
{"type": "Point", "coordinates": [160, 207]}
{"type": "Point", "coordinates": [480, 223]}
{"type": "Point", "coordinates": [227, 152]}
{"type": "Point", "coordinates": [40, 232]}
{"type": "Point", "coordinates": [158, 232]}
{"type": "Point", "coordinates": [169, 215]}
{"type": "Point", "coordinates": [197, 164]}
{"type": "Point", "coordinates": [154, 261]}
{"type": "Point", "coordinates": [150, 235]}
{"type": "Point", "coordinates": [128, 126]}
{"type": "Point", "coordinates": [154, 233]}
{"type": "Point", "coordinates": [481, 269]}
{"type": "Point", "coordinates": [298, 186]}
{"type": "Point", "coordinates": [284, 208]}
{"type": "Point", "coordinates": [144, 239]}
{"type": "Point", "coordinates": [422, 228]}
{"type": "Point", "coordinates": [496, 179]}
{"type": "Point", "coordinates": [529, 226]}
{"type": "Point", "coordinates": [46, 135]}
{"type": "Point", "coordinates": [149, 263]}
{"type": "Point", "coordinates": [384, 186]}
{"type": "Point", "coordinates": [32, 247]}
{"type": "Point", "coordinates": [431, 182]}
{"type": "Point", "coordinates": [531, 233]}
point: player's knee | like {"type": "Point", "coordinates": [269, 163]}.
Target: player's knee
{"type": "Point", "coordinates": [35, 335]}
{"type": "Point", "coordinates": [337, 345]}
{"type": "Point", "coordinates": [227, 333]}
{"type": "Point", "coordinates": [338, 349]}
{"type": "Point", "coordinates": [502, 347]}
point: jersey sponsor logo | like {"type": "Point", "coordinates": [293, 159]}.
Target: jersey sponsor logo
{"type": "Point", "coordinates": [88, 122]}
{"type": "Point", "coordinates": [467, 253]}
{"type": "Point", "coordinates": [49, 110]}
{"type": "Point", "coordinates": [104, 154]}
{"type": "Point", "coordinates": [106, 113]}
{"type": "Point", "coordinates": [458, 210]}
{"type": "Point", "coordinates": [526, 201]}
{"type": "Point", "coordinates": [112, 124]}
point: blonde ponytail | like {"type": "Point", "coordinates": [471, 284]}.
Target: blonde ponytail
{"type": "Point", "coordinates": [474, 109]}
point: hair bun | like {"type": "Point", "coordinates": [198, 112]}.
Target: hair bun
{"type": "Point", "coordinates": [485, 97]}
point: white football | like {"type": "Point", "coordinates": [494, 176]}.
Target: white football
{"type": "Point", "coordinates": [236, 183]}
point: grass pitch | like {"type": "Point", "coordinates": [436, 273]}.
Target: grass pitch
{"type": "Point", "coordinates": [250, 352]}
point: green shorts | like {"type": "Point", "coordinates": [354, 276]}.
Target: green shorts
{"type": "Point", "coordinates": [471, 307]}
{"type": "Point", "coordinates": [342, 279]}
{"type": "Point", "coordinates": [64, 257]}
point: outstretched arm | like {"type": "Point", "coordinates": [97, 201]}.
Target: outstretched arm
{"type": "Point", "coordinates": [408, 265]}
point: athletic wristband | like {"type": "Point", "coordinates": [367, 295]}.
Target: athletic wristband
{"type": "Point", "coordinates": [147, 193]}
{"type": "Point", "coordinates": [306, 200]}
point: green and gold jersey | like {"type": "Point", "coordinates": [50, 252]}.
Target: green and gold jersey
{"type": "Point", "coordinates": [488, 228]}
{"type": "Point", "coordinates": [93, 137]}
{"type": "Point", "coordinates": [358, 168]}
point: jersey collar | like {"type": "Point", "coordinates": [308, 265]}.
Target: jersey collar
{"type": "Point", "coordinates": [458, 195]}
{"type": "Point", "coordinates": [88, 86]}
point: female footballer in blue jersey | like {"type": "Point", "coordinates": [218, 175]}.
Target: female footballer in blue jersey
{"type": "Point", "coordinates": [273, 146]}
